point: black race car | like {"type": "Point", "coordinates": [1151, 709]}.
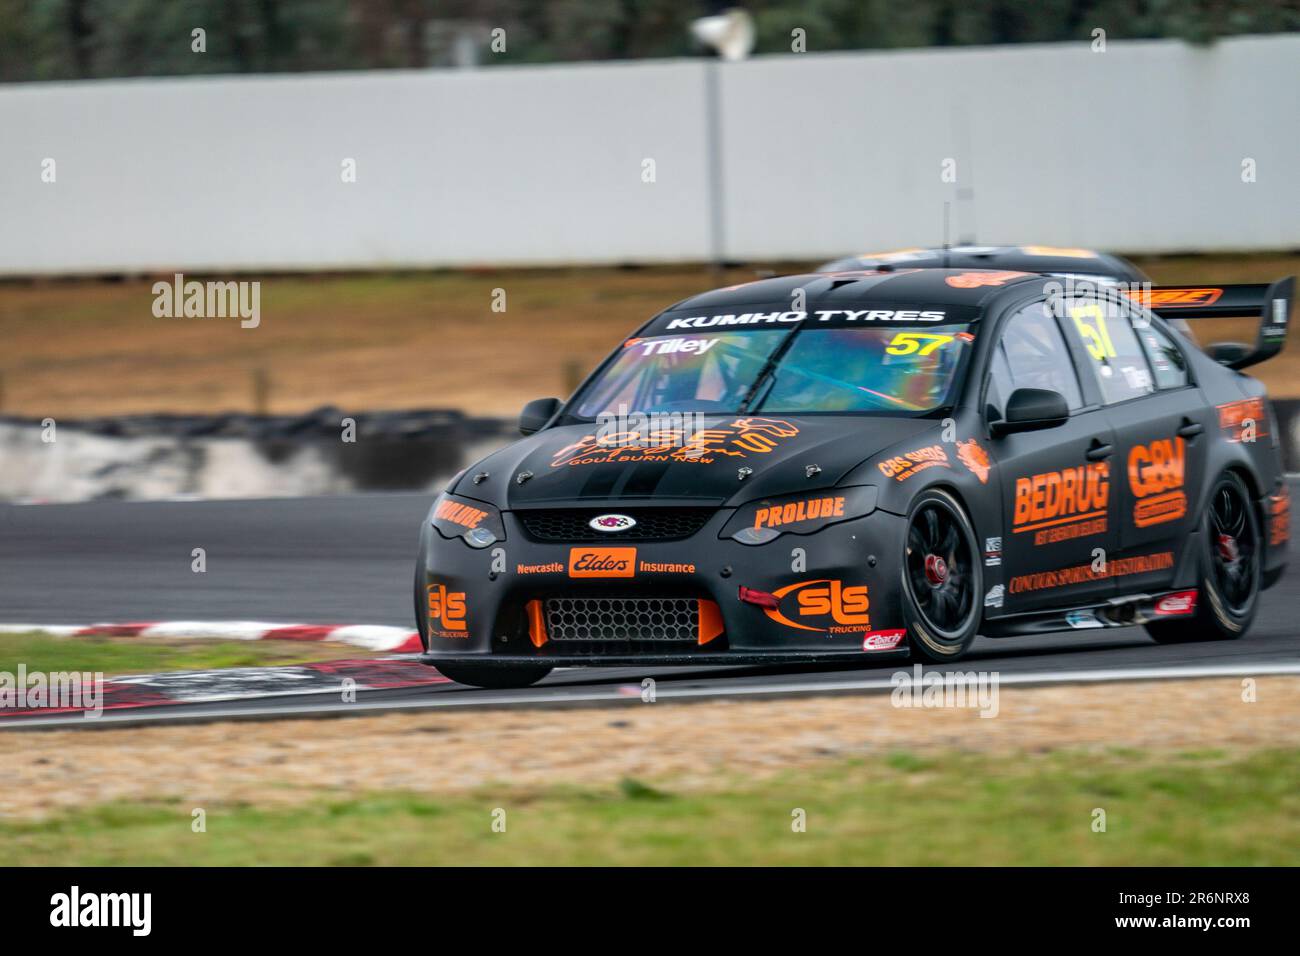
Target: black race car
{"type": "Point", "coordinates": [814, 467]}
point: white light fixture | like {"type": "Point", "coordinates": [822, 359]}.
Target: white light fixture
{"type": "Point", "coordinates": [730, 34]}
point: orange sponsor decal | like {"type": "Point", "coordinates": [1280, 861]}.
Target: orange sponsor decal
{"type": "Point", "coordinates": [1059, 497]}
{"type": "Point", "coordinates": [1174, 298]}
{"type": "Point", "coordinates": [1057, 251]}
{"type": "Point", "coordinates": [1279, 520]}
{"type": "Point", "coordinates": [846, 607]}
{"type": "Point", "coordinates": [974, 457]}
{"type": "Point", "coordinates": [1155, 475]}
{"type": "Point", "coordinates": [739, 439]}
{"type": "Point", "coordinates": [602, 562]}
{"type": "Point", "coordinates": [973, 280]}
{"type": "Point", "coordinates": [1083, 573]}
{"type": "Point", "coordinates": [797, 511]}
{"type": "Point", "coordinates": [460, 514]}
{"type": "Point", "coordinates": [1248, 413]}
{"type": "Point", "coordinates": [902, 467]}
{"type": "Point", "coordinates": [447, 611]}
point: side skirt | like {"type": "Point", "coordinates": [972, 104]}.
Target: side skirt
{"type": "Point", "coordinates": [1124, 611]}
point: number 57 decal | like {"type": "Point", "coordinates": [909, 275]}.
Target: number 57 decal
{"type": "Point", "coordinates": [1096, 337]}
{"type": "Point", "coordinates": [919, 343]}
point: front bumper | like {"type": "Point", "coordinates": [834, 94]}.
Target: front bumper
{"type": "Point", "coordinates": [839, 592]}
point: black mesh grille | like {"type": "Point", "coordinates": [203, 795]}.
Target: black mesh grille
{"type": "Point", "coordinates": [652, 524]}
{"type": "Point", "coordinates": [622, 619]}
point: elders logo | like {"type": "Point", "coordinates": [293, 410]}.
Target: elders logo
{"type": "Point", "coordinates": [825, 604]}
{"type": "Point", "coordinates": [602, 562]}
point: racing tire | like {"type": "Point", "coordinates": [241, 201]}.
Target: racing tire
{"type": "Point", "coordinates": [1230, 573]}
{"type": "Point", "coordinates": [493, 676]}
{"type": "Point", "coordinates": [942, 578]}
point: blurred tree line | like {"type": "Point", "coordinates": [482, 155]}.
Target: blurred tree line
{"type": "Point", "coordinates": [74, 39]}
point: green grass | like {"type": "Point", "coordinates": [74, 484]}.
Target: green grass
{"type": "Point", "coordinates": [113, 655]}
{"type": "Point", "coordinates": [1172, 809]}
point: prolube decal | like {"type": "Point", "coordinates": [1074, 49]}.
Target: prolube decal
{"type": "Point", "coordinates": [1061, 505]}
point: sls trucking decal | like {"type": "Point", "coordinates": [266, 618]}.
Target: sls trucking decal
{"type": "Point", "coordinates": [1062, 505]}
{"type": "Point", "coordinates": [1155, 476]}
{"type": "Point", "coordinates": [822, 605]}
{"type": "Point", "coordinates": [738, 439]}
{"type": "Point", "coordinates": [447, 612]}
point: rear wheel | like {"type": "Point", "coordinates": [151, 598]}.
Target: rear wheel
{"type": "Point", "coordinates": [942, 578]}
{"type": "Point", "coordinates": [494, 676]}
{"type": "Point", "coordinates": [1230, 570]}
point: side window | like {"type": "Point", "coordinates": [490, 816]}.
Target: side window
{"type": "Point", "coordinates": [1032, 354]}
{"type": "Point", "coordinates": [1167, 361]}
{"type": "Point", "coordinates": [1112, 349]}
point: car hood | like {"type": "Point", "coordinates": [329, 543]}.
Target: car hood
{"type": "Point", "coordinates": [571, 464]}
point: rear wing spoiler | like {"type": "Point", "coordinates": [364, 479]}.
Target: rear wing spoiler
{"type": "Point", "coordinates": [1271, 304]}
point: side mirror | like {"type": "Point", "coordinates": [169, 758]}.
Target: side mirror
{"type": "Point", "coordinates": [1029, 409]}
{"type": "Point", "coordinates": [536, 414]}
{"type": "Point", "coordinates": [1225, 353]}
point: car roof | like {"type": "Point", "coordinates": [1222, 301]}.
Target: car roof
{"type": "Point", "coordinates": [1052, 260]}
{"type": "Point", "coordinates": [862, 289]}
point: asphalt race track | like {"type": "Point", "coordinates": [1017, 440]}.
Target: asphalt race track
{"type": "Point", "coordinates": [349, 560]}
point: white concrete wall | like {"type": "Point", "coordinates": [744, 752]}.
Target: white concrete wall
{"type": "Point", "coordinates": [1138, 149]}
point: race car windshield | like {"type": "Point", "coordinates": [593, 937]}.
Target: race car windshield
{"type": "Point", "coordinates": [879, 370]}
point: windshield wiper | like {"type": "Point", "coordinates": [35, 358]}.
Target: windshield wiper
{"type": "Point", "coordinates": [769, 367]}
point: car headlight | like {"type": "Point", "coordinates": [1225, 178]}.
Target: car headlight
{"type": "Point", "coordinates": [759, 522]}
{"type": "Point", "coordinates": [477, 523]}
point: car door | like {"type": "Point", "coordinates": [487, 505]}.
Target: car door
{"type": "Point", "coordinates": [1162, 426]}
{"type": "Point", "coordinates": [1056, 482]}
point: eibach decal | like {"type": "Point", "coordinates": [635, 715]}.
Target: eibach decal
{"type": "Point", "coordinates": [1155, 476]}
{"type": "Point", "coordinates": [883, 640]}
{"type": "Point", "coordinates": [1179, 604]}
{"type": "Point", "coordinates": [1063, 505]}
{"type": "Point", "coordinates": [902, 467]}
{"type": "Point", "coordinates": [971, 454]}
{"type": "Point", "coordinates": [738, 439]}
{"type": "Point", "coordinates": [1084, 573]}
{"type": "Point", "coordinates": [822, 605]}
{"type": "Point", "coordinates": [1235, 417]}
{"type": "Point", "coordinates": [447, 612]}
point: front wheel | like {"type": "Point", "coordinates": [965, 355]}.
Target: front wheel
{"type": "Point", "coordinates": [1230, 570]}
{"type": "Point", "coordinates": [942, 578]}
{"type": "Point", "coordinates": [494, 676]}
